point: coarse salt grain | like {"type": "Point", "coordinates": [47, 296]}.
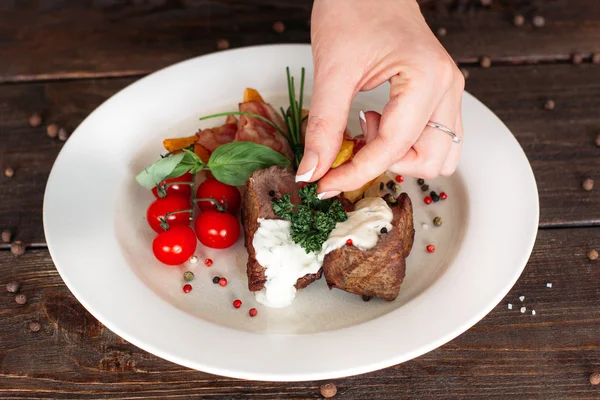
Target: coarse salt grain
{"type": "Point", "coordinates": [509, 306]}
{"type": "Point", "coordinates": [193, 259]}
{"type": "Point", "coordinates": [523, 309]}
{"type": "Point", "coordinates": [549, 284]}
{"type": "Point", "coordinates": [521, 298]}
{"type": "Point", "coordinates": [532, 312]}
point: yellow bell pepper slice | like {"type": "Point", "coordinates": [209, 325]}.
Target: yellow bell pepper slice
{"type": "Point", "coordinates": [252, 95]}
{"type": "Point", "coordinates": [344, 154]}
{"type": "Point", "coordinates": [174, 144]}
{"type": "Point", "coordinates": [355, 195]}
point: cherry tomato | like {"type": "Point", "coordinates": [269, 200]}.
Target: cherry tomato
{"type": "Point", "coordinates": [226, 195]}
{"type": "Point", "coordinates": [184, 190]}
{"type": "Point", "coordinates": [215, 229]}
{"type": "Point", "coordinates": [175, 246]}
{"type": "Point", "coordinates": [160, 207]}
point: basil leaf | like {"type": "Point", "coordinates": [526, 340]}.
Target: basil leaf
{"type": "Point", "coordinates": [158, 171]}
{"type": "Point", "coordinates": [193, 159]}
{"type": "Point", "coordinates": [234, 162]}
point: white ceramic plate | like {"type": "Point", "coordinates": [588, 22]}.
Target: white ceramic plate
{"type": "Point", "coordinates": [94, 220]}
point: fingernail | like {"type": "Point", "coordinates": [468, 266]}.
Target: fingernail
{"type": "Point", "coordinates": [309, 158]}
{"type": "Point", "coordinates": [328, 195]}
{"type": "Point", "coordinates": [363, 122]}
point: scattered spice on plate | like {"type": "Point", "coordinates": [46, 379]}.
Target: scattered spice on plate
{"type": "Point", "coordinates": [390, 184]}
{"type": "Point", "coordinates": [193, 259]}
{"type": "Point", "coordinates": [532, 312]}
{"type": "Point", "coordinates": [576, 58]}
{"type": "Point", "coordinates": [223, 282]}
{"type": "Point", "coordinates": [383, 230]}
{"type": "Point", "coordinates": [509, 306]}
{"type": "Point", "coordinates": [271, 193]}
{"type": "Point", "coordinates": [188, 276]}
{"type": "Point", "coordinates": [35, 120]}
{"type": "Point", "coordinates": [366, 298]}
{"type": "Point", "coordinates": [430, 248]}
{"type": "Point", "coordinates": [252, 312]}
{"type": "Point", "coordinates": [549, 284]}
{"type": "Point", "coordinates": [425, 226]}
{"type": "Point", "coordinates": [428, 200]}
{"type": "Point", "coordinates": [593, 255]}
{"type": "Point", "coordinates": [421, 182]}
{"type": "Point", "coordinates": [425, 188]}
{"type": "Point", "coordinates": [588, 184]}
{"type": "Point", "coordinates": [435, 197]}
{"type": "Point", "coordinates": [328, 390]}
{"type": "Point", "coordinates": [208, 262]}
{"type": "Point", "coordinates": [523, 309]}
{"type": "Point", "coordinates": [237, 303]}
{"type": "Point", "coordinates": [187, 288]}
{"type": "Point", "coordinates": [35, 326]}
{"type": "Point", "coordinates": [549, 105]}
{"type": "Point", "coordinates": [441, 32]}
{"type": "Point", "coordinates": [216, 280]}
{"type": "Point", "coordinates": [21, 299]}
{"type": "Point", "coordinates": [595, 378]}
{"type": "Point", "coordinates": [538, 21]}
{"type": "Point", "coordinates": [596, 58]}
{"type": "Point", "coordinates": [279, 27]}
{"type": "Point", "coordinates": [17, 248]}
{"type": "Point", "coordinates": [485, 62]}
{"type": "Point", "coordinates": [52, 130]}
{"type": "Point", "coordinates": [518, 20]}
{"type": "Point", "coordinates": [381, 185]}
{"type": "Point", "coordinates": [6, 236]}
{"type": "Point", "coordinates": [521, 298]}
{"type": "Point", "coordinates": [9, 172]}
{"type": "Point", "coordinates": [399, 178]}
{"type": "Point", "coordinates": [349, 242]}
{"type": "Point", "coordinates": [62, 134]}
{"type": "Point", "coordinates": [13, 287]}
{"type": "Point", "coordinates": [443, 195]}
{"type": "Point", "coordinates": [437, 221]}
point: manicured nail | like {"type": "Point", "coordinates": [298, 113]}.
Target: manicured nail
{"type": "Point", "coordinates": [310, 159]}
{"type": "Point", "coordinates": [363, 122]}
{"type": "Point", "coordinates": [328, 195]}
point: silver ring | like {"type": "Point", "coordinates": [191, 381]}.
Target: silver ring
{"type": "Point", "coordinates": [456, 139]}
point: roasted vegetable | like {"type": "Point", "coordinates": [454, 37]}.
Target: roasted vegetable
{"type": "Point", "coordinates": [344, 154]}
{"type": "Point", "coordinates": [252, 95]}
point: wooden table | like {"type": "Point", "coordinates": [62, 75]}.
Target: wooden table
{"type": "Point", "coordinates": [63, 58]}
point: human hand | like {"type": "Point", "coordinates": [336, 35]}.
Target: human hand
{"type": "Point", "coordinates": [358, 45]}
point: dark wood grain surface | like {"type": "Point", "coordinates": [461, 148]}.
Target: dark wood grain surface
{"type": "Point", "coordinates": [63, 58]}
{"type": "Point", "coordinates": [506, 355]}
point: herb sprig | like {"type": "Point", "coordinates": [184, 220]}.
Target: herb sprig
{"type": "Point", "coordinates": [313, 220]}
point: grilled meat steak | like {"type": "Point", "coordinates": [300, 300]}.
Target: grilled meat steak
{"type": "Point", "coordinates": [377, 272]}
{"type": "Point", "coordinates": [257, 204]}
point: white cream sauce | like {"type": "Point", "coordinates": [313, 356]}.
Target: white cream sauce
{"type": "Point", "coordinates": [286, 261]}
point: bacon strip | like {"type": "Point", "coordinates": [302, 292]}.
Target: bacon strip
{"type": "Point", "coordinates": [212, 138]}
{"type": "Point", "coordinates": [254, 130]}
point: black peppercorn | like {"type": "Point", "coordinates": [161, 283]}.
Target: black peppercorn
{"type": "Point", "coordinates": [272, 193]}
{"type": "Point", "coordinates": [366, 298]}
{"type": "Point", "coordinates": [216, 280]}
{"type": "Point", "coordinates": [435, 198]}
{"type": "Point", "coordinates": [381, 185]}
{"type": "Point", "coordinates": [390, 185]}
{"type": "Point", "coordinates": [383, 230]}
{"type": "Point", "coordinates": [421, 181]}
{"type": "Point", "coordinates": [425, 188]}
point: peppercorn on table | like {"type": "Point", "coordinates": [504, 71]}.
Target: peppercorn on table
{"type": "Point", "coordinates": [536, 64]}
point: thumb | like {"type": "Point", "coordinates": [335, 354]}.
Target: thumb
{"type": "Point", "coordinates": [328, 114]}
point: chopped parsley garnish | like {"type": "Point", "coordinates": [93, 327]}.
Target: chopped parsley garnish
{"type": "Point", "coordinates": [313, 220]}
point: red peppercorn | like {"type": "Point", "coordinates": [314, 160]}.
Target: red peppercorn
{"type": "Point", "coordinates": [430, 248]}
{"type": "Point", "coordinates": [223, 282]}
{"type": "Point", "coordinates": [237, 303]}
{"type": "Point", "coordinates": [443, 196]}
{"type": "Point", "coordinates": [304, 184]}
{"type": "Point", "coordinates": [187, 288]}
{"type": "Point", "coordinates": [399, 178]}
{"type": "Point", "coordinates": [428, 200]}
{"type": "Point", "coordinates": [253, 312]}
{"type": "Point", "coordinates": [208, 262]}
{"type": "Point", "coordinates": [349, 242]}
